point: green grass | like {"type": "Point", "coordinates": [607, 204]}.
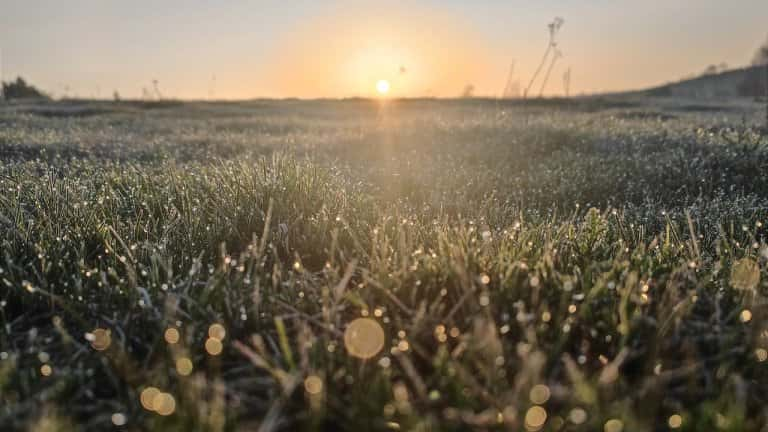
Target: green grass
{"type": "Point", "coordinates": [600, 262]}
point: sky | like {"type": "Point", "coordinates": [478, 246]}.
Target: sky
{"type": "Point", "coordinates": [242, 49]}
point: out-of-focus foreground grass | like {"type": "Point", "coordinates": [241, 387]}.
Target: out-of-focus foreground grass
{"type": "Point", "coordinates": [419, 265]}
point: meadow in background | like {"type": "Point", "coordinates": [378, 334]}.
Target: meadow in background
{"type": "Point", "coordinates": [591, 264]}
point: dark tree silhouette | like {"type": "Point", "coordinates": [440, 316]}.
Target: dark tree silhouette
{"type": "Point", "coordinates": [19, 89]}
{"type": "Point", "coordinates": [761, 56]}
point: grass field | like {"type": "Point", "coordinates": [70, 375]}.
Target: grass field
{"type": "Point", "coordinates": [415, 265]}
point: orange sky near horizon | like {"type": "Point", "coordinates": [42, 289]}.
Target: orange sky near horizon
{"type": "Point", "coordinates": [245, 49]}
{"type": "Point", "coordinates": [421, 53]}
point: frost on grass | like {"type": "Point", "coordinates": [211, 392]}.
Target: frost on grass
{"type": "Point", "coordinates": [311, 267]}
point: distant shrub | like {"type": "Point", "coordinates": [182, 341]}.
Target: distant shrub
{"type": "Point", "coordinates": [755, 82]}
{"type": "Point", "coordinates": [19, 89]}
{"type": "Point", "coordinates": [761, 56]}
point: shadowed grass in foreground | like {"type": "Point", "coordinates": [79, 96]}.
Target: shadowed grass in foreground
{"type": "Point", "coordinates": [465, 269]}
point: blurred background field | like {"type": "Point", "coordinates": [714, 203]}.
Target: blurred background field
{"type": "Point", "coordinates": [551, 264]}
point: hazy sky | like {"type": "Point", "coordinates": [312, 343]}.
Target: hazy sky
{"type": "Point", "coordinates": [338, 48]}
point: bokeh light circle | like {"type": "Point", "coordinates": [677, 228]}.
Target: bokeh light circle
{"type": "Point", "coordinates": [364, 338]}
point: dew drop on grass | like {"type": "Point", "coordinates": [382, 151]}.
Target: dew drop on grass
{"type": "Point", "coordinates": [28, 286]}
{"type": "Point", "coordinates": [46, 370]}
{"type": "Point", "coordinates": [385, 362]}
{"type": "Point", "coordinates": [746, 316]}
{"type": "Point", "coordinates": [761, 354]}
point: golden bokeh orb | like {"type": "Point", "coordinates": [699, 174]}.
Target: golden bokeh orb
{"type": "Point", "coordinates": [152, 399]}
{"type": "Point", "coordinates": [172, 335]}
{"type": "Point", "coordinates": [147, 398]}
{"type": "Point", "coordinates": [613, 425]}
{"type": "Point", "coordinates": [213, 346]}
{"type": "Point", "coordinates": [217, 331]}
{"type": "Point", "coordinates": [364, 338]}
{"type": "Point", "coordinates": [164, 404]}
{"type": "Point", "coordinates": [184, 366]}
{"type": "Point", "coordinates": [539, 394]}
{"type": "Point", "coordinates": [535, 418]}
{"type": "Point", "coordinates": [313, 385]}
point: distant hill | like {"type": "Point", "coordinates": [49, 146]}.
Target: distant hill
{"type": "Point", "coordinates": [745, 82]}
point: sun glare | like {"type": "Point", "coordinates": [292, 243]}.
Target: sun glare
{"type": "Point", "coordinates": [382, 87]}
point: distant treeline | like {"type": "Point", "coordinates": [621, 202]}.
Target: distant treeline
{"type": "Point", "coordinates": [746, 82]}
{"type": "Point", "coordinates": [719, 81]}
{"type": "Point", "coordinates": [19, 89]}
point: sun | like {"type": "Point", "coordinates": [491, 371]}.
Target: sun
{"type": "Point", "coordinates": [382, 86]}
